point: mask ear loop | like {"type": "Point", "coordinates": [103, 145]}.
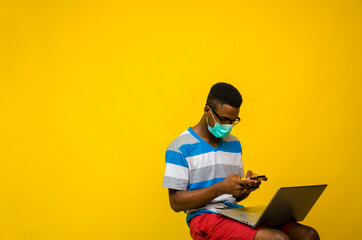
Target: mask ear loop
{"type": "Point", "coordinates": [212, 115]}
{"type": "Point", "coordinates": [207, 119]}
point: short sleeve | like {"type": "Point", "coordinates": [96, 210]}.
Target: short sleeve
{"type": "Point", "coordinates": [176, 172]}
{"type": "Point", "coordinates": [242, 171]}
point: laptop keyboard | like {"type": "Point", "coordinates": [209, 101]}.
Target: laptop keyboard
{"type": "Point", "coordinates": [250, 217]}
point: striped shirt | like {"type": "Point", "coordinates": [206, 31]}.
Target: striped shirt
{"type": "Point", "coordinates": [192, 163]}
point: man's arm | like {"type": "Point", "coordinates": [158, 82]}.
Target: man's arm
{"type": "Point", "coordinates": [186, 200]}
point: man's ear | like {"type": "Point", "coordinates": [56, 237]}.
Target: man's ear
{"type": "Point", "coordinates": [206, 110]}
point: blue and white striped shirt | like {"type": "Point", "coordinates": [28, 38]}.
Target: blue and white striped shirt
{"type": "Point", "coordinates": [192, 163]}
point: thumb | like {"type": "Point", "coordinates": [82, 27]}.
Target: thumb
{"type": "Point", "coordinates": [249, 174]}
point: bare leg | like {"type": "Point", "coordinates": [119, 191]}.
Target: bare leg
{"type": "Point", "coordinates": [270, 234]}
{"type": "Point", "coordinates": [301, 232]}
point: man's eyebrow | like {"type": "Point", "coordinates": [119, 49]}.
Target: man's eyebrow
{"type": "Point", "coordinates": [225, 118]}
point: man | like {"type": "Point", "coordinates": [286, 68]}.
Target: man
{"type": "Point", "coordinates": [204, 170]}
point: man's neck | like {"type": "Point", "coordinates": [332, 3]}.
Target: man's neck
{"type": "Point", "coordinates": [203, 132]}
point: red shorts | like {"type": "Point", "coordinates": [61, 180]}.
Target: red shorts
{"type": "Point", "coordinates": [215, 226]}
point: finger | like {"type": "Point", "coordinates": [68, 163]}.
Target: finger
{"type": "Point", "coordinates": [249, 173]}
{"type": "Point", "coordinates": [254, 184]}
{"type": "Point", "coordinates": [248, 182]}
{"type": "Point", "coordinates": [254, 175]}
{"type": "Point", "coordinates": [253, 188]}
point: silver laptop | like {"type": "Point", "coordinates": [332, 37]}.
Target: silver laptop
{"type": "Point", "coordinates": [288, 204]}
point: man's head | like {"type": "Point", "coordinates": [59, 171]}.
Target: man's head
{"type": "Point", "coordinates": [224, 93]}
{"type": "Point", "coordinates": [222, 109]}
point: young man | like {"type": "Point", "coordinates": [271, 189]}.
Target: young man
{"type": "Point", "coordinates": [203, 174]}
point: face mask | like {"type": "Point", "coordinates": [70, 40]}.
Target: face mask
{"type": "Point", "coordinates": [219, 130]}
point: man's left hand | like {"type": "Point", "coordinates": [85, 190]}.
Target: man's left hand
{"type": "Point", "coordinates": [253, 187]}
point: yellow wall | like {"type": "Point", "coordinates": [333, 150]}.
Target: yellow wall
{"type": "Point", "coordinates": [92, 92]}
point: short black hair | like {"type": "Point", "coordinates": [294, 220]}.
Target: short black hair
{"type": "Point", "coordinates": [224, 93]}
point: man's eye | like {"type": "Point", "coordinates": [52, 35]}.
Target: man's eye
{"type": "Point", "coordinates": [226, 121]}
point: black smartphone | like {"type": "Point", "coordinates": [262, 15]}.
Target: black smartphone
{"type": "Point", "coordinates": [255, 178]}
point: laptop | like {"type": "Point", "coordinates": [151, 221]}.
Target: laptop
{"type": "Point", "coordinates": [287, 205]}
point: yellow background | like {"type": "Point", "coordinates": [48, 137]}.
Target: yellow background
{"type": "Point", "coordinates": [92, 93]}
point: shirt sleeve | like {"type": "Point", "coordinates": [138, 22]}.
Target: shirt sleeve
{"type": "Point", "coordinates": [242, 171]}
{"type": "Point", "coordinates": [177, 172]}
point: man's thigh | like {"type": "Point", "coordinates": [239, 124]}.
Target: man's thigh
{"type": "Point", "coordinates": [215, 226]}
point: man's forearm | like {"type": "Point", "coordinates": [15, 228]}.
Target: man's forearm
{"type": "Point", "coordinates": [187, 200]}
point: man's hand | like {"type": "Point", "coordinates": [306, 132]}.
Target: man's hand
{"type": "Point", "coordinates": [251, 187]}
{"type": "Point", "coordinates": [250, 175]}
{"type": "Point", "coordinates": [234, 185]}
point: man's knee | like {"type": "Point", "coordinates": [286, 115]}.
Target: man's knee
{"type": "Point", "coordinates": [311, 234]}
{"type": "Point", "coordinates": [281, 237]}
{"type": "Point", "coordinates": [270, 234]}
{"type": "Point", "coordinates": [299, 231]}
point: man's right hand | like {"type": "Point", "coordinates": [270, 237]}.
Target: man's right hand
{"type": "Point", "coordinates": [234, 185]}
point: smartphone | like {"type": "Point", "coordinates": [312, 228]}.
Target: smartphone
{"type": "Point", "coordinates": [254, 178]}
